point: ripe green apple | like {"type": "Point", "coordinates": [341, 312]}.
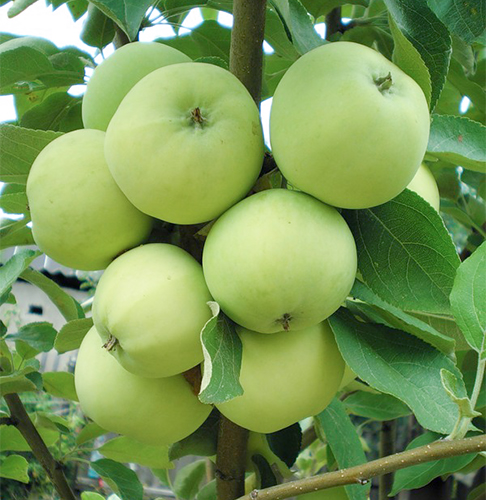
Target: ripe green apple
{"type": "Point", "coordinates": [115, 76]}
{"type": "Point", "coordinates": [348, 126]}
{"type": "Point", "coordinates": [337, 493]}
{"type": "Point", "coordinates": [424, 184]}
{"type": "Point", "coordinates": [285, 378]}
{"type": "Point", "coordinates": [80, 218]}
{"type": "Point", "coordinates": [154, 411]}
{"type": "Point", "coordinates": [279, 260]}
{"type": "Point", "coordinates": [150, 307]}
{"type": "Point", "coordinates": [186, 143]}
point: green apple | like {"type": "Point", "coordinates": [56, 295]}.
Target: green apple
{"type": "Point", "coordinates": [337, 493]}
{"type": "Point", "coordinates": [279, 260]}
{"type": "Point", "coordinates": [150, 307]}
{"type": "Point", "coordinates": [153, 411]}
{"type": "Point", "coordinates": [348, 377]}
{"type": "Point", "coordinates": [348, 126]}
{"type": "Point", "coordinates": [186, 143]}
{"type": "Point", "coordinates": [115, 76]}
{"type": "Point", "coordinates": [80, 218]}
{"type": "Point", "coordinates": [424, 184]}
{"type": "Point", "coordinates": [285, 378]}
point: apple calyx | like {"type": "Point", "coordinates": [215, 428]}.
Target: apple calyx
{"type": "Point", "coordinates": [197, 118]}
{"type": "Point", "coordinates": [384, 83]}
{"type": "Point", "coordinates": [285, 321]}
{"type": "Point", "coordinates": [111, 343]}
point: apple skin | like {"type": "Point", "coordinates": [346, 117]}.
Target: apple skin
{"type": "Point", "coordinates": [279, 260]}
{"type": "Point", "coordinates": [424, 185]}
{"type": "Point", "coordinates": [153, 411]}
{"type": "Point", "coordinates": [80, 218]}
{"type": "Point", "coordinates": [115, 76]}
{"type": "Point", "coordinates": [336, 136]}
{"type": "Point", "coordinates": [186, 143]}
{"type": "Point", "coordinates": [285, 378]}
{"type": "Point", "coordinates": [153, 300]}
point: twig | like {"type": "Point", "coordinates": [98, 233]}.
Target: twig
{"type": "Point", "coordinates": [363, 473]}
{"type": "Point", "coordinates": [387, 448]}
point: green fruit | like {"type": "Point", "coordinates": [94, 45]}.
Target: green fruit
{"type": "Point", "coordinates": [116, 75]}
{"type": "Point", "coordinates": [337, 493]}
{"type": "Point", "coordinates": [348, 377]}
{"type": "Point", "coordinates": [150, 307]}
{"type": "Point", "coordinates": [279, 260]}
{"type": "Point", "coordinates": [80, 218]}
{"type": "Point", "coordinates": [285, 378]}
{"type": "Point", "coordinates": [348, 126]}
{"type": "Point", "coordinates": [186, 143]}
{"type": "Point", "coordinates": [153, 411]}
{"type": "Point", "coordinates": [424, 184]}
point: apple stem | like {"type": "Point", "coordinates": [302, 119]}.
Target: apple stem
{"type": "Point", "coordinates": [384, 83]}
{"type": "Point", "coordinates": [110, 344]}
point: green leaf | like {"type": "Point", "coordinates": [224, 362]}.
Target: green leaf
{"type": "Point", "coordinates": [468, 299]}
{"type": "Point", "coordinates": [286, 443]}
{"type": "Point", "coordinates": [77, 8]}
{"type": "Point", "coordinates": [19, 6]}
{"type": "Point", "coordinates": [428, 35]}
{"type": "Point", "coordinates": [452, 386]}
{"type": "Point", "coordinates": [89, 432]}
{"type": "Point", "coordinates": [128, 14]}
{"type": "Point", "coordinates": [208, 491]}
{"type": "Point", "coordinates": [345, 444]}
{"type": "Point", "coordinates": [15, 467]}
{"type": "Point", "coordinates": [12, 440]}
{"type": "Point", "coordinates": [419, 475]}
{"type": "Point", "coordinates": [408, 59]}
{"type": "Point", "coordinates": [72, 334]}
{"type": "Point", "coordinates": [222, 350]}
{"type": "Point", "coordinates": [458, 140]}
{"type": "Point", "coordinates": [127, 482]}
{"type": "Point", "coordinates": [49, 114]}
{"type": "Point", "coordinates": [401, 365]}
{"type": "Point", "coordinates": [14, 267]}
{"type": "Point", "coordinates": [209, 39]}
{"type": "Point", "coordinates": [446, 325]}
{"type": "Point", "coordinates": [467, 20]}
{"type": "Point", "coordinates": [188, 479]}
{"type": "Point", "coordinates": [19, 148]}
{"type": "Point", "coordinates": [380, 311]}
{"type": "Point", "coordinates": [91, 495]}
{"type": "Point", "coordinates": [264, 472]}
{"type": "Point", "coordinates": [17, 382]}
{"type": "Point", "coordinates": [299, 24]}
{"type": "Point", "coordinates": [13, 199]}
{"type": "Point", "coordinates": [379, 407]}
{"type": "Point", "coordinates": [60, 385]}
{"type": "Point", "coordinates": [458, 78]}
{"type": "Point", "coordinates": [321, 7]}
{"type": "Point", "coordinates": [274, 67]}
{"type": "Point", "coordinates": [201, 442]}
{"type": "Point", "coordinates": [67, 305]}
{"type": "Point", "coordinates": [15, 233]}
{"type": "Point", "coordinates": [98, 29]}
{"type": "Point", "coordinates": [6, 359]}
{"type": "Point", "coordinates": [405, 254]}
{"type": "Point", "coordinates": [278, 37]}
{"type": "Point", "coordinates": [39, 335]}
{"type": "Point", "coordinates": [126, 450]}
{"type": "Point", "coordinates": [50, 421]}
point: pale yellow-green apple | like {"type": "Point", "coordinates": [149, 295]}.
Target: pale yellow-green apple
{"type": "Point", "coordinates": [186, 143]}
{"type": "Point", "coordinates": [80, 218]}
{"type": "Point", "coordinates": [279, 260]}
{"type": "Point", "coordinates": [150, 307]}
{"type": "Point", "coordinates": [348, 377]}
{"type": "Point", "coordinates": [285, 378]}
{"type": "Point", "coordinates": [116, 75]}
{"type": "Point", "coordinates": [348, 126]}
{"type": "Point", "coordinates": [336, 493]}
{"type": "Point", "coordinates": [153, 411]}
{"type": "Point", "coordinates": [424, 184]}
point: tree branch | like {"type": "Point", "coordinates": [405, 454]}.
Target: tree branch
{"type": "Point", "coordinates": [54, 469]}
{"type": "Point", "coordinates": [246, 54]}
{"type": "Point", "coordinates": [363, 473]}
{"type": "Point", "coordinates": [387, 448]}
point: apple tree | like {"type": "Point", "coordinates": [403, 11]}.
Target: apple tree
{"type": "Point", "coordinates": [306, 317]}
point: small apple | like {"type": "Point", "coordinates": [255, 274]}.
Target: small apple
{"type": "Point", "coordinates": [348, 126]}
{"type": "Point", "coordinates": [279, 260]}
{"type": "Point", "coordinates": [285, 378]}
{"type": "Point", "coordinates": [150, 307]}
{"type": "Point", "coordinates": [154, 411]}
{"type": "Point", "coordinates": [116, 75]}
{"type": "Point", "coordinates": [186, 143]}
{"type": "Point", "coordinates": [80, 218]}
{"type": "Point", "coordinates": [424, 184]}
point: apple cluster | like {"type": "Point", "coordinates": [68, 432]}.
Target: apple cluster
{"type": "Point", "coordinates": [180, 141]}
